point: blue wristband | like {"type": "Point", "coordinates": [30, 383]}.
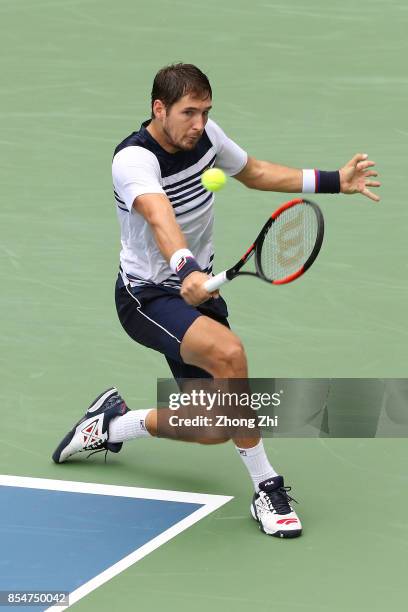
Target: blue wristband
{"type": "Point", "coordinates": [185, 266]}
{"type": "Point", "coordinates": [327, 182]}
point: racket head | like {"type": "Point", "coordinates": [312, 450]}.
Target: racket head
{"type": "Point", "coordinates": [289, 242]}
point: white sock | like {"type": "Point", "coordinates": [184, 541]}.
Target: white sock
{"type": "Point", "coordinates": [257, 463]}
{"type": "Point", "coordinates": [130, 425]}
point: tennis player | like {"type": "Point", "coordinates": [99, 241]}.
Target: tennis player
{"type": "Point", "coordinates": [166, 223]}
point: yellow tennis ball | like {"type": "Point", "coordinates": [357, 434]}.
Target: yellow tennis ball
{"type": "Point", "coordinates": [213, 179]}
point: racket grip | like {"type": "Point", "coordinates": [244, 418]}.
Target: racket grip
{"type": "Point", "coordinates": [216, 281]}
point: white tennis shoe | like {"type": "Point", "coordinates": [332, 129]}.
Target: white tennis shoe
{"type": "Point", "coordinates": [91, 433]}
{"type": "Point", "coordinates": [271, 508]}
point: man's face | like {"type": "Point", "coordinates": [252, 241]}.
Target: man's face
{"type": "Point", "coordinates": [183, 124]}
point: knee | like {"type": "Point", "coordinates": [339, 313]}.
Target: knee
{"type": "Point", "coordinates": [230, 360]}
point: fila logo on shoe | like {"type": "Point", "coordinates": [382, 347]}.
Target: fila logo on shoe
{"type": "Point", "coordinates": [91, 433]}
{"type": "Point", "coordinates": [287, 521]}
{"type": "Point", "coordinates": [270, 482]}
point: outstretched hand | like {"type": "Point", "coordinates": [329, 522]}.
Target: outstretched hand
{"type": "Point", "coordinates": [355, 177]}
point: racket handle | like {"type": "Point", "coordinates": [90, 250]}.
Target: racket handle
{"type": "Point", "coordinates": [216, 281]}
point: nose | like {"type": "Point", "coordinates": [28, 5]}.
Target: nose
{"type": "Point", "coordinates": [199, 124]}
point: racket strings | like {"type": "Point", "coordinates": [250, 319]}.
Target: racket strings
{"type": "Point", "coordinates": [289, 242]}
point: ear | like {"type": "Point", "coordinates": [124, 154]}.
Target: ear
{"type": "Point", "coordinates": [159, 110]}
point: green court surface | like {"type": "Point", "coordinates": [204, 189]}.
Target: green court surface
{"type": "Point", "coordinates": [304, 84]}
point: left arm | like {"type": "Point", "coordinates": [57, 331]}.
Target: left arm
{"type": "Point", "coordinates": [266, 176]}
{"type": "Point", "coordinates": [354, 177]}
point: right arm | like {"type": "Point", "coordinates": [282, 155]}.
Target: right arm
{"type": "Point", "coordinates": [136, 173]}
{"type": "Point", "coordinates": [156, 209]}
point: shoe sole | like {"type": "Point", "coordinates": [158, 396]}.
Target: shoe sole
{"type": "Point", "coordinates": [96, 404]}
{"type": "Point", "coordinates": [294, 533]}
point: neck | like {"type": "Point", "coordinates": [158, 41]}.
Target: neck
{"type": "Point", "coordinates": [156, 131]}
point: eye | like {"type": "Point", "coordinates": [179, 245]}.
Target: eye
{"type": "Point", "coordinates": [188, 112]}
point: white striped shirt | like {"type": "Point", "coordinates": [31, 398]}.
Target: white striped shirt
{"type": "Point", "coordinates": [140, 165]}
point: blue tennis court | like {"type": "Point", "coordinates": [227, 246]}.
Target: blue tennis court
{"type": "Point", "coordinates": [72, 541]}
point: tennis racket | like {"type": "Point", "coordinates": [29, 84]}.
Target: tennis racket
{"type": "Point", "coordinates": [285, 248]}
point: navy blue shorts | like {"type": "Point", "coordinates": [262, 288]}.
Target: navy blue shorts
{"type": "Point", "coordinates": [158, 318]}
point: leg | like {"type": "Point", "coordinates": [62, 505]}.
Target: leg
{"type": "Point", "coordinates": [208, 346]}
{"type": "Point", "coordinates": [184, 370]}
{"type": "Point", "coordinates": [164, 322]}
{"type": "Point", "coordinates": [216, 349]}
{"type": "Point", "coordinates": [213, 347]}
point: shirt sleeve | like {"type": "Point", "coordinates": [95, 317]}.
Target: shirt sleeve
{"type": "Point", "coordinates": [230, 157]}
{"type": "Point", "coordinates": [135, 171]}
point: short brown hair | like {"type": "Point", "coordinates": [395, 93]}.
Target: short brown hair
{"type": "Point", "coordinates": [177, 80]}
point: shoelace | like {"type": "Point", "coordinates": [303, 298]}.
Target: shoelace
{"type": "Point", "coordinates": [99, 447]}
{"type": "Point", "coordinates": [111, 402]}
{"type": "Point", "coordinates": [278, 500]}
{"type": "Point", "coordinates": [101, 450]}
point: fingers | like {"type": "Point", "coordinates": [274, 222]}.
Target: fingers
{"type": "Point", "coordinates": [358, 158]}
{"type": "Point", "coordinates": [355, 176]}
{"type": "Point", "coordinates": [371, 195]}
{"type": "Point", "coordinates": [373, 184]}
{"type": "Point", "coordinates": [363, 165]}
{"type": "Point", "coordinates": [192, 289]}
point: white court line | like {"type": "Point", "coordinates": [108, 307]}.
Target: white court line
{"type": "Point", "coordinates": [210, 503]}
